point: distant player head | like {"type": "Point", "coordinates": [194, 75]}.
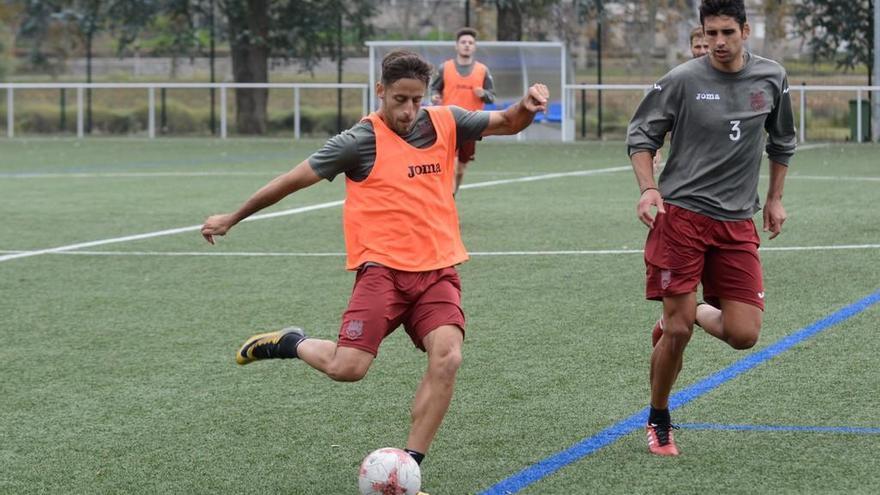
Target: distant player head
{"type": "Point", "coordinates": [699, 45]}
{"type": "Point", "coordinates": [726, 29]}
{"type": "Point", "coordinates": [466, 43]}
{"type": "Point", "coordinates": [405, 77]}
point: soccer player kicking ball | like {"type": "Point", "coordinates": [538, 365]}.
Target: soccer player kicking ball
{"type": "Point", "coordinates": [401, 235]}
{"type": "Point", "coordinates": [721, 106]}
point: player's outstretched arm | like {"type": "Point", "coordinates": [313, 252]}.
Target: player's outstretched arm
{"type": "Point", "coordinates": [519, 115]}
{"type": "Point", "coordinates": [774, 212]}
{"type": "Point", "coordinates": [299, 177]}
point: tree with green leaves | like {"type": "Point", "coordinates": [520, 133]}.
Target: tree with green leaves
{"type": "Point", "coordinates": [305, 30]}
{"type": "Point", "coordinates": [839, 30]}
{"type": "Point", "coordinates": [85, 19]}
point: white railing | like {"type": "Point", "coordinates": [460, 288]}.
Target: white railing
{"type": "Point", "coordinates": [151, 98]}
{"type": "Point", "coordinates": [861, 93]}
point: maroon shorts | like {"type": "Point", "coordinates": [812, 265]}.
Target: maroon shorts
{"type": "Point", "coordinates": [383, 298]}
{"type": "Point", "coordinates": [686, 248]}
{"type": "Point", "coordinates": [466, 151]}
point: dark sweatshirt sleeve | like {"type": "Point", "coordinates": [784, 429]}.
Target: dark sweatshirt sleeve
{"type": "Point", "coordinates": [781, 133]}
{"type": "Point", "coordinates": [653, 118]}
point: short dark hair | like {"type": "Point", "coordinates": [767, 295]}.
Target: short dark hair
{"type": "Point", "coordinates": [697, 32]}
{"type": "Point", "coordinates": [730, 8]}
{"type": "Point", "coordinates": [404, 64]}
{"type": "Point", "coordinates": [465, 31]}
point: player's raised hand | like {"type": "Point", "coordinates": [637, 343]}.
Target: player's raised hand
{"type": "Point", "coordinates": [774, 217]}
{"type": "Point", "coordinates": [650, 197]}
{"type": "Point", "coordinates": [217, 225]}
{"type": "Point", "coordinates": [536, 98]}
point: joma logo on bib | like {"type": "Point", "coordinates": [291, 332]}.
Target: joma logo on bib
{"type": "Point", "coordinates": [708, 96]}
{"type": "Point", "coordinates": [428, 168]}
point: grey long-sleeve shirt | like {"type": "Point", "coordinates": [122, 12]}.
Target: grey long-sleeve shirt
{"type": "Point", "coordinates": [719, 123]}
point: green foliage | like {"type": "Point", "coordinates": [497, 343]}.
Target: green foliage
{"type": "Point", "coordinates": [180, 120]}
{"type": "Point", "coordinates": [4, 62]}
{"type": "Point", "coordinates": [47, 21]}
{"type": "Point", "coordinates": [842, 31]}
{"type": "Point", "coordinates": [313, 121]}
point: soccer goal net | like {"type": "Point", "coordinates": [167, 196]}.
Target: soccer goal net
{"type": "Point", "coordinates": [514, 66]}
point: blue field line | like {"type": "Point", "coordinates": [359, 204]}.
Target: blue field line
{"type": "Point", "coordinates": [609, 435]}
{"type": "Point", "coordinates": [856, 430]}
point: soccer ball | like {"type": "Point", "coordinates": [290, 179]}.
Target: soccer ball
{"type": "Point", "coordinates": [389, 471]}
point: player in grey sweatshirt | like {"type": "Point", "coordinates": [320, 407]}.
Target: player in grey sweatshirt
{"type": "Point", "coordinates": [722, 111]}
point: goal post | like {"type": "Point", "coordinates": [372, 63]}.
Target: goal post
{"type": "Point", "coordinates": [515, 65]}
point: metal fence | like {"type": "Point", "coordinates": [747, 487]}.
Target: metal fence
{"type": "Point", "coordinates": [811, 102]}
{"type": "Point", "coordinates": [575, 95]}
{"type": "Point", "coordinates": [151, 98]}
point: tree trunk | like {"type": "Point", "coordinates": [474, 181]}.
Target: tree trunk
{"type": "Point", "coordinates": [509, 21]}
{"type": "Point", "coordinates": [774, 34]}
{"type": "Point", "coordinates": [248, 32]}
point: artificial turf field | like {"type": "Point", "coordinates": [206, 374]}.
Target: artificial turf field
{"type": "Point", "coordinates": [117, 361]}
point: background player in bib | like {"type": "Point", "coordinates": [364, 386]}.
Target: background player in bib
{"type": "Point", "coordinates": [724, 108]}
{"type": "Point", "coordinates": [466, 83]}
{"type": "Point", "coordinates": [401, 235]}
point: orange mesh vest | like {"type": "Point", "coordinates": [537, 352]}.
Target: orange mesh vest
{"type": "Point", "coordinates": [459, 90]}
{"type": "Point", "coordinates": [403, 214]}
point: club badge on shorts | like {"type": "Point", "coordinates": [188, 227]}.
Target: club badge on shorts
{"type": "Point", "coordinates": [354, 329]}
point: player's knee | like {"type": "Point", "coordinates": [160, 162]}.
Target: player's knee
{"type": "Point", "coordinates": [679, 328]}
{"type": "Point", "coordinates": [447, 363]}
{"type": "Point", "coordinates": [743, 341]}
{"type": "Point", "coordinates": [742, 335]}
{"type": "Point", "coordinates": [346, 372]}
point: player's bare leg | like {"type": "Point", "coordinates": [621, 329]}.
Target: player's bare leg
{"type": "Point", "coordinates": [435, 391]}
{"type": "Point", "coordinates": [342, 364]}
{"type": "Point", "coordinates": [667, 357]}
{"type": "Point", "coordinates": [666, 362]}
{"type": "Point", "coordinates": [737, 323]}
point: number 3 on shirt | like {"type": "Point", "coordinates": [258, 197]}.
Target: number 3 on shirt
{"type": "Point", "coordinates": [734, 126]}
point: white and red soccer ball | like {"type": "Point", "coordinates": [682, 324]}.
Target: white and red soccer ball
{"type": "Point", "coordinates": [389, 471]}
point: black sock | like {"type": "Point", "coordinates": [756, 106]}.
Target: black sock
{"type": "Point", "coordinates": [418, 456]}
{"type": "Point", "coordinates": [659, 416]}
{"type": "Point", "coordinates": [288, 344]}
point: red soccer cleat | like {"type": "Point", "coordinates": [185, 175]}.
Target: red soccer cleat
{"type": "Point", "coordinates": [660, 440]}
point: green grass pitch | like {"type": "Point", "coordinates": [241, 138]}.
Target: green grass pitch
{"type": "Point", "coordinates": [117, 359]}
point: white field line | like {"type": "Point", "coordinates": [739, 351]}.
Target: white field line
{"type": "Point", "coordinates": [113, 175]}
{"type": "Point", "coordinates": [257, 254]}
{"type": "Point", "coordinates": [294, 211]}
{"type": "Point", "coordinates": [160, 233]}
{"type": "Point", "coordinates": [216, 173]}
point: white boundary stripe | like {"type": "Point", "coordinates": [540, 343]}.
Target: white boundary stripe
{"type": "Point", "coordinates": [829, 177]}
{"type": "Point", "coordinates": [114, 175]}
{"type": "Point", "coordinates": [474, 253]}
{"type": "Point", "coordinates": [531, 178]}
{"type": "Point", "coordinates": [293, 211]}
{"type": "Point", "coordinates": [160, 233]}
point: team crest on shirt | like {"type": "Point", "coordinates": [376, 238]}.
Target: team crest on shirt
{"type": "Point", "coordinates": [757, 100]}
{"type": "Point", "coordinates": [354, 329]}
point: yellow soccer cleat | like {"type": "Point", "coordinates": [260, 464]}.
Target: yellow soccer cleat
{"type": "Point", "coordinates": [273, 345]}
